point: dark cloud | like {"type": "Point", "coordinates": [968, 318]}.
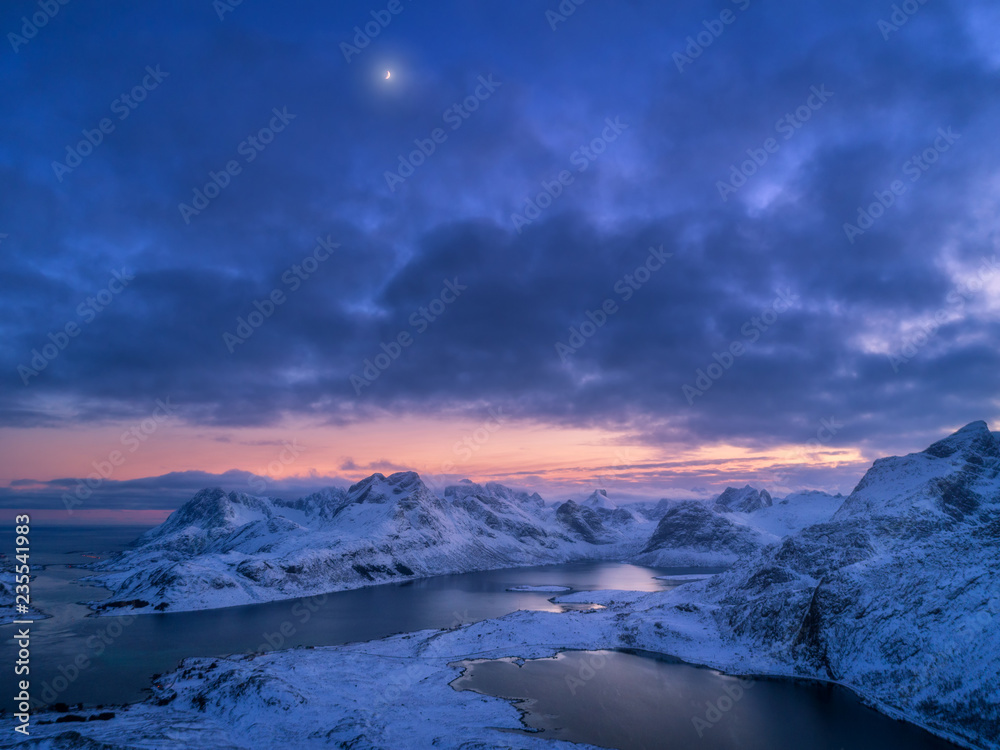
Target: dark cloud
{"type": "Point", "coordinates": [656, 184]}
{"type": "Point", "coordinates": [165, 492]}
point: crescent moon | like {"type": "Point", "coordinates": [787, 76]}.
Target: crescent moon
{"type": "Point", "coordinates": [387, 74]}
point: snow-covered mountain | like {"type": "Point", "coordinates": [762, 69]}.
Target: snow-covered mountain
{"type": "Point", "coordinates": [222, 549]}
{"type": "Point", "coordinates": [795, 512]}
{"type": "Point", "coordinates": [738, 523]}
{"type": "Point", "coordinates": [692, 534]}
{"type": "Point", "coordinates": [599, 520]}
{"type": "Point", "coordinates": [897, 594]}
{"type": "Point", "coordinates": [599, 500]}
{"type": "Point", "coordinates": [745, 500]}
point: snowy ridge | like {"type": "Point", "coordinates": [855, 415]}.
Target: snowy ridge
{"type": "Point", "coordinates": [692, 534]}
{"type": "Point", "coordinates": [599, 499]}
{"type": "Point", "coordinates": [739, 523]}
{"type": "Point", "coordinates": [745, 500]}
{"type": "Point", "coordinates": [224, 549]}
{"type": "Point", "coordinates": [794, 513]}
{"type": "Point", "coordinates": [897, 595]}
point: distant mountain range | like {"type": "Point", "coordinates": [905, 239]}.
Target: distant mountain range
{"type": "Point", "coordinates": [894, 593]}
{"type": "Point", "coordinates": [222, 549]}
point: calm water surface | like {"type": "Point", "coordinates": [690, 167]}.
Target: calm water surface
{"type": "Point", "coordinates": [643, 702]}
{"type": "Point", "coordinates": [124, 652]}
{"type": "Point", "coordinates": [611, 699]}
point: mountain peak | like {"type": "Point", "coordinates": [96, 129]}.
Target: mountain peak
{"type": "Point", "coordinates": [599, 499]}
{"type": "Point", "coordinates": [464, 488]}
{"type": "Point", "coordinates": [744, 500]}
{"type": "Point", "coordinates": [493, 490]}
{"type": "Point", "coordinates": [952, 478]}
{"type": "Point", "coordinates": [379, 488]}
{"type": "Point", "coordinates": [214, 510]}
{"type": "Point", "coordinates": [405, 479]}
{"type": "Point", "coordinates": [975, 437]}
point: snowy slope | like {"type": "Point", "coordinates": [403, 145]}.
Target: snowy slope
{"type": "Point", "coordinates": [692, 533]}
{"type": "Point", "coordinates": [599, 499]}
{"type": "Point", "coordinates": [744, 500]}
{"type": "Point", "coordinates": [898, 594]}
{"type": "Point", "coordinates": [738, 523]}
{"type": "Point", "coordinates": [225, 549]}
{"type": "Point", "coordinates": [796, 511]}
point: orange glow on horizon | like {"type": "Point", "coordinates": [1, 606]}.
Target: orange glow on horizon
{"type": "Point", "coordinates": [544, 457]}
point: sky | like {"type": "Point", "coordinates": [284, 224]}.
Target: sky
{"type": "Point", "coordinates": [571, 245]}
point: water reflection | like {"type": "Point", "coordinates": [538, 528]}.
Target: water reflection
{"type": "Point", "coordinates": [635, 701]}
{"type": "Point", "coordinates": [124, 652]}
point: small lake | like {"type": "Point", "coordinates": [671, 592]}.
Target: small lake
{"type": "Point", "coordinates": [633, 701]}
{"type": "Point", "coordinates": [124, 652]}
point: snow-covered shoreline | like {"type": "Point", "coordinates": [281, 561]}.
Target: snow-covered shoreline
{"type": "Point", "coordinates": [395, 693]}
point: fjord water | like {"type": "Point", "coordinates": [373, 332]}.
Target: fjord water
{"type": "Point", "coordinates": [632, 701]}
{"type": "Point", "coordinates": [124, 652]}
{"type": "Point", "coordinates": [629, 702]}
